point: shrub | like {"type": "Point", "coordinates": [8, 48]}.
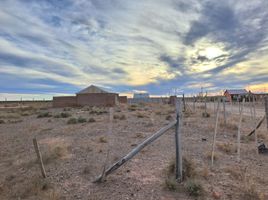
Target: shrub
{"type": "Point", "coordinates": [90, 120]}
{"type": "Point", "coordinates": [169, 117]}
{"type": "Point", "coordinates": [44, 114]}
{"type": "Point", "coordinates": [171, 184]}
{"type": "Point", "coordinates": [141, 115]}
{"type": "Point", "coordinates": [188, 168]}
{"type": "Point", "coordinates": [62, 115]}
{"type": "Point", "coordinates": [205, 114]}
{"type": "Point", "coordinates": [132, 107]}
{"type": "Point", "coordinates": [72, 121]}
{"type": "Point", "coordinates": [102, 139]}
{"type": "Point", "coordinates": [67, 109]}
{"type": "Point", "coordinates": [54, 153]}
{"type": "Point", "coordinates": [121, 117]}
{"type": "Point", "coordinates": [2, 121]}
{"type": "Point", "coordinates": [81, 120]}
{"type": "Point", "coordinates": [194, 188]}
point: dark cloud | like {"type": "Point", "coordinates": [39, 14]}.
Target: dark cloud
{"type": "Point", "coordinates": [216, 18]}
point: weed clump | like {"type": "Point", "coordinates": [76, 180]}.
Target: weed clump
{"type": "Point", "coordinates": [72, 121]}
{"type": "Point", "coordinates": [91, 120]}
{"type": "Point", "coordinates": [63, 115]}
{"type": "Point", "coordinates": [121, 117]}
{"type": "Point", "coordinates": [103, 139]}
{"type": "Point", "coordinates": [81, 120]}
{"type": "Point", "coordinates": [44, 114]}
{"type": "Point", "coordinates": [194, 188]}
{"type": "Point", "coordinates": [205, 115]}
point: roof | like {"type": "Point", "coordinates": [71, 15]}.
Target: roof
{"type": "Point", "coordinates": [92, 89]}
{"type": "Point", "coordinates": [237, 91]}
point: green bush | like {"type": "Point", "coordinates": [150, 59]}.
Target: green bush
{"type": "Point", "coordinates": [194, 188]}
{"type": "Point", "coordinates": [63, 115]}
{"type": "Point", "coordinates": [81, 120]}
{"type": "Point", "coordinates": [44, 114]}
{"type": "Point", "coordinates": [72, 121]}
{"type": "Point", "coordinates": [91, 120]}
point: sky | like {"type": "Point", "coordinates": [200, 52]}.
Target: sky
{"type": "Point", "coordinates": [58, 47]}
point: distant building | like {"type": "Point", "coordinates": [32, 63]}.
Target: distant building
{"type": "Point", "coordinates": [235, 94]}
{"type": "Point", "coordinates": [141, 95]}
{"type": "Point", "coordinates": [90, 96]}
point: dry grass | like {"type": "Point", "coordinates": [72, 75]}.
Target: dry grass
{"type": "Point", "coordinates": [55, 152]}
{"type": "Point", "coordinates": [141, 115]}
{"type": "Point", "coordinates": [227, 148]}
{"type": "Point", "coordinates": [208, 155]}
{"type": "Point", "coordinates": [38, 189]}
{"type": "Point", "coordinates": [204, 172]}
{"type": "Point", "coordinates": [139, 135]}
{"type": "Point", "coordinates": [169, 117]}
{"type": "Point", "coordinates": [10, 116]}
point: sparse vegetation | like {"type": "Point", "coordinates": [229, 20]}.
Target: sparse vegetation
{"type": "Point", "coordinates": [121, 117]}
{"type": "Point", "coordinates": [91, 120]}
{"type": "Point", "coordinates": [226, 147]}
{"type": "Point", "coordinates": [72, 121]}
{"type": "Point", "coordinates": [81, 120]}
{"type": "Point", "coordinates": [132, 107]}
{"type": "Point", "coordinates": [44, 114]}
{"type": "Point", "coordinates": [205, 114]}
{"type": "Point", "coordinates": [169, 117]}
{"type": "Point", "coordinates": [54, 153]}
{"type": "Point", "coordinates": [63, 115]}
{"type": "Point", "coordinates": [194, 188]}
{"type": "Point", "coordinates": [171, 184]}
{"type": "Point", "coordinates": [141, 115]}
{"type": "Point", "coordinates": [2, 121]}
{"type": "Point", "coordinates": [103, 139]}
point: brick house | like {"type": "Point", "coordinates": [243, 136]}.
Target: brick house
{"type": "Point", "coordinates": [235, 95]}
{"type": "Point", "coordinates": [90, 96]}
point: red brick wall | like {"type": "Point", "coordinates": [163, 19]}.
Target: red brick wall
{"type": "Point", "coordinates": [122, 99]}
{"type": "Point", "coordinates": [97, 99]}
{"type": "Point", "coordinates": [65, 101]}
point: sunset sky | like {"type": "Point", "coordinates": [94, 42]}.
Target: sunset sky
{"type": "Point", "coordinates": [57, 47]}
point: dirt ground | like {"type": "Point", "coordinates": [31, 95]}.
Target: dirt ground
{"type": "Point", "coordinates": [74, 154]}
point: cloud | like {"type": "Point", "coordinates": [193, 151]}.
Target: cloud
{"type": "Point", "coordinates": [149, 45]}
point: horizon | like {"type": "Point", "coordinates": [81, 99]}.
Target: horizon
{"type": "Point", "coordinates": [51, 48]}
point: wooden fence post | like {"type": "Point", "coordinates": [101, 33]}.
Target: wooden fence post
{"type": "Point", "coordinates": [39, 157]}
{"type": "Point", "coordinates": [255, 124]}
{"type": "Point", "coordinates": [206, 104]}
{"type": "Point", "coordinates": [239, 130]}
{"type": "Point", "coordinates": [215, 133]}
{"type": "Point", "coordinates": [266, 110]}
{"type": "Point", "coordinates": [194, 103]}
{"type": "Point", "coordinates": [224, 112]}
{"type": "Point", "coordinates": [178, 142]}
{"type": "Point", "coordinates": [214, 105]}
